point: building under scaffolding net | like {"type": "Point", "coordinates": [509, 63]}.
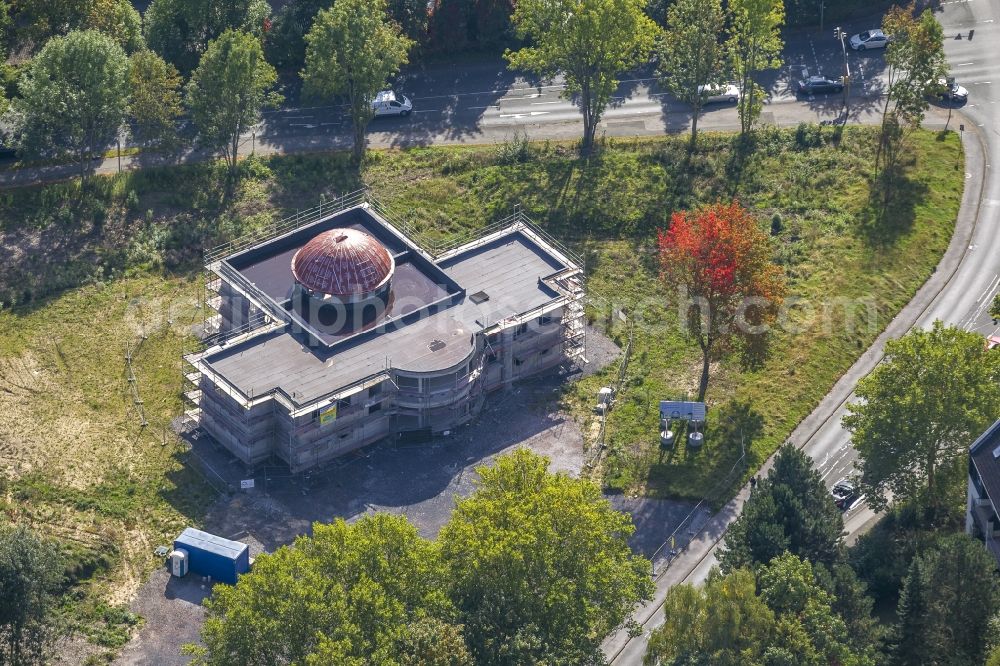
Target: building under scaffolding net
{"type": "Point", "coordinates": [335, 329]}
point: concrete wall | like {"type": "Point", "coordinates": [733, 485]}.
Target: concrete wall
{"type": "Point", "coordinates": [412, 401]}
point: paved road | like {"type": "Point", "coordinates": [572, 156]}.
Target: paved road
{"type": "Point", "coordinates": [959, 293]}
{"type": "Point", "coordinates": [483, 102]}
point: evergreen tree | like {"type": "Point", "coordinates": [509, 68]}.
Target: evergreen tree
{"type": "Point", "coordinates": [949, 597]}
{"type": "Point", "coordinates": [791, 510]}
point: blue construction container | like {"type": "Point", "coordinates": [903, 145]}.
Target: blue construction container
{"type": "Point", "coordinates": [211, 555]}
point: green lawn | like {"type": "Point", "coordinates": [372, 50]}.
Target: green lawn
{"type": "Point", "coordinates": [845, 285]}
{"type": "Point", "coordinates": [100, 265]}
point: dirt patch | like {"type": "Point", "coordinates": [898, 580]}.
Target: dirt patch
{"type": "Point", "coordinates": [418, 481]}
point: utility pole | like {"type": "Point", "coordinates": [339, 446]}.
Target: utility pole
{"type": "Point", "coordinates": [840, 35]}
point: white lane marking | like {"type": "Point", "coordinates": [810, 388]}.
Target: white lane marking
{"type": "Point", "coordinates": [428, 111]}
{"type": "Point", "coordinates": [491, 106]}
{"type": "Point", "coordinates": [964, 64]}
{"type": "Point", "coordinates": [558, 101]}
{"type": "Point", "coordinates": [966, 25]}
{"type": "Point", "coordinates": [523, 115]}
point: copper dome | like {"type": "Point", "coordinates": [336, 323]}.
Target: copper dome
{"type": "Point", "coordinates": [343, 263]}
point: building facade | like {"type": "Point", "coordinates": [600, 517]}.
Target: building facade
{"type": "Point", "coordinates": [982, 516]}
{"type": "Point", "coordinates": [339, 330]}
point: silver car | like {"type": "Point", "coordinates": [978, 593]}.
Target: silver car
{"type": "Point", "coordinates": [727, 93]}
{"type": "Point", "coordinates": [869, 39]}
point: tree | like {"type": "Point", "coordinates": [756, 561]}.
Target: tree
{"type": "Point", "coordinates": [949, 597]}
{"type": "Point", "coordinates": [724, 623]}
{"type": "Point", "coordinates": [411, 16]}
{"type": "Point", "coordinates": [995, 308]}
{"type": "Point", "coordinates": [180, 30]}
{"type": "Point", "coordinates": [789, 511]}
{"type": "Point", "coordinates": [808, 630]}
{"type": "Point", "coordinates": [154, 98]}
{"type": "Point", "coordinates": [285, 45]}
{"type": "Point", "coordinates": [691, 55]}
{"type": "Point", "coordinates": [720, 257]}
{"type": "Point", "coordinates": [754, 45]}
{"type": "Point", "coordinates": [539, 566]}
{"type": "Point", "coordinates": [352, 50]}
{"type": "Point", "coordinates": [934, 392]}
{"type": "Point", "coordinates": [119, 20]}
{"type": "Point", "coordinates": [43, 19]}
{"type": "Point", "coordinates": [915, 62]}
{"type": "Point", "coordinates": [589, 42]}
{"type": "Point", "coordinates": [73, 97]}
{"type": "Point", "coordinates": [30, 577]}
{"type": "Point", "coordinates": [228, 91]}
{"type": "Point", "coordinates": [368, 592]}
{"type": "Point", "coordinates": [784, 616]}
{"type": "Point", "coordinates": [460, 25]}
{"type": "Point", "coordinates": [433, 642]}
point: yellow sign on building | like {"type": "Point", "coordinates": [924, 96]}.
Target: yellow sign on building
{"type": "Point", "coordinates": [329, 415]}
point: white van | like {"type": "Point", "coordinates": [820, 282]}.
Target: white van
{"type": "Point", "coordinates": [388, 103]}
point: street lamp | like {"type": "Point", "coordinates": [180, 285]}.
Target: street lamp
{"type": "Point", "coordinates": [840, 35]}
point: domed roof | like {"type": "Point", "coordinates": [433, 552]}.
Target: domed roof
{"type": "Point", "coordinates": [342, 262]}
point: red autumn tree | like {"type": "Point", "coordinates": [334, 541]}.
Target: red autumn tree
{"type": "Point", "coordinates": [718, 260]}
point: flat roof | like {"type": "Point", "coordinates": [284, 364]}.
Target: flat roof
{"type": "Point", "coordinates": [211, 543]}
{"type": "Point", "coordinates": [509, 270]}
{"type": "Point", "coordinates": [280, 360]}
{"type": "Point", "coordinates": [508, 266]}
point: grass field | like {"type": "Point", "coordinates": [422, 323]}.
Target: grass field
{"type": "Point", "coordinates": [116, 262]}
{"type": "Point", "coordinates": [847, 278]}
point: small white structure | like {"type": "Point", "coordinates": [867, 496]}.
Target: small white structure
{"type": "Point", "coordinates": [179, 562]}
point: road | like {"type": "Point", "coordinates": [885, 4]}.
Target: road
{"type": "Point", "coordinates": [959, 293]}
{"type": "Point", "coordinates": [485, 103]}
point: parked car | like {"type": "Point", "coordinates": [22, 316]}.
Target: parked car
{"type": "Point", "coordinates": [869, 39]}
{"type": "Point", "coordinates": [845, 495]}
{"type": "Point", "coordinates": [388, 103]}
{"type": "Point", "coordinates": [726, 93]}
{"type": "Point", "coordinates": [992, 342]}
{"type": "Point", "coordinates": [819, 84]}
{"type": "Point", "coordinates": [948, 90]}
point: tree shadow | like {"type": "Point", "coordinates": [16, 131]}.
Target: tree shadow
{"type": "Point", "coordinates": [885, 219]}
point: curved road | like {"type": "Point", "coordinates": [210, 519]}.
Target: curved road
{"type": "Point", "coordinates": [959, 293]}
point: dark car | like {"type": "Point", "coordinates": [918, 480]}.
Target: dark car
{"type": "Point", "coordinates": [845, 494]}
{"type": "Point", "coordinates": [819, 84]}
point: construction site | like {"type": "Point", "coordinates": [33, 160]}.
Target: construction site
{"type": "Point", "coordinates": [335, 329]}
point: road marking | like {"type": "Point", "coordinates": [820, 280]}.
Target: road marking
{"type": "Point", "coordinates": [491, 106]}
{"type": "Point", "coordinates": [966, 25]}
{"type": "Point", "coordinates": [964, 64]}
{"type": "Point", "coordinates": [523, 115]}
{"type": "Point", "coordinates": [558, 101]}
{"type": "Point", "coordinates": [428, 111]}
{"type": "Point", "coordinates": [531, 96]}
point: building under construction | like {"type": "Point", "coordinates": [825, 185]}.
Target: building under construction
{"type": "Point", "coordinates": [336, 329]}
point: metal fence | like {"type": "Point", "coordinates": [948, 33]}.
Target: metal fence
{"type": "Point", "coordinates": [618, 387]}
